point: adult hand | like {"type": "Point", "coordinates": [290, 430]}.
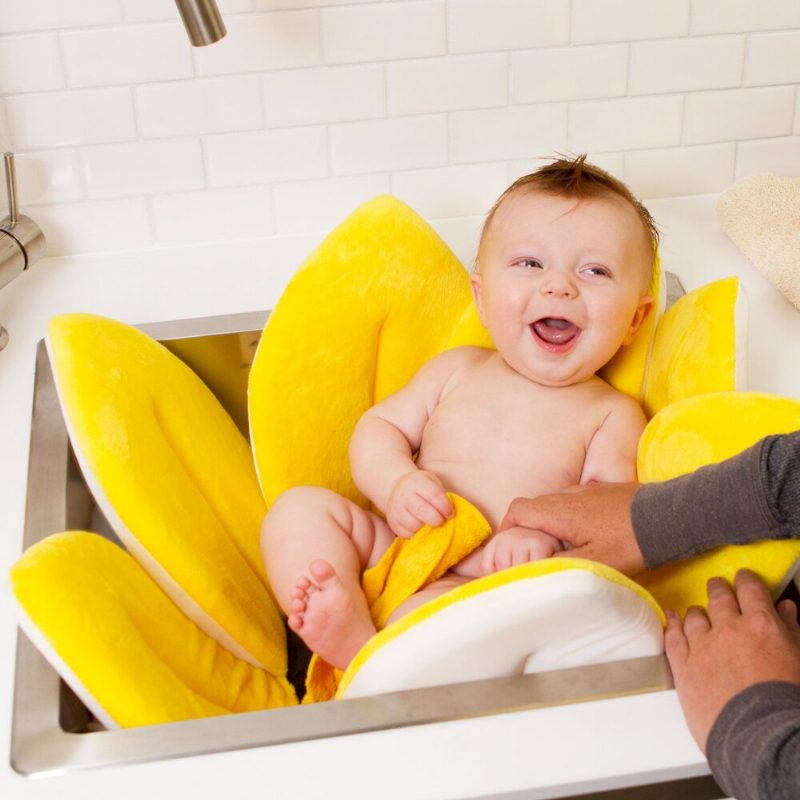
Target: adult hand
{"type": "Point", "coordinates": [742, 640]}
{"type": "Point", "coordinates": [594, 520]}
{"type": "Point", "coordinates": [418, 498]}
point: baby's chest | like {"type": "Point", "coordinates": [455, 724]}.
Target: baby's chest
{"type": "Point", "coordinates": [510, 426]}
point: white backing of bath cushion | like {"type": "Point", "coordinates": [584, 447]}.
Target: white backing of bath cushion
{"type": "Point", "coordinates": [30, 629]}
{"type": "Point", "coordinates": [556, 621]}
{"type": "Point", "coordinates": [174, 590]}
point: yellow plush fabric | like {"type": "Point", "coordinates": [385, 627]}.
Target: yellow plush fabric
{"type": "Point", "coordinates": [406, 567]}
{"type": "Point", "coordinates": [137, 659]}
{"type": "Point", "coordinates": [704, 430]}
{"type": "Point", "coordinates": [174, 476]}
{"type": "Point", "coordinates": [379, 297]}
{"type": "Point", "coordinates": [695, 346]}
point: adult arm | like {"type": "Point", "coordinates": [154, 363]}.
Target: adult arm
{"type": "Point", "coordinates": [754, 745]}
{"type": "Point", "coordinates": [754, 495]}
{"type": "Point", "coordinates": [737, 672]}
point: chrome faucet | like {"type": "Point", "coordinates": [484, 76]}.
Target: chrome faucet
{"type": "Point", "coordinates": [202, 21]}
{"type": "Point", "coordinates": [22, 242]}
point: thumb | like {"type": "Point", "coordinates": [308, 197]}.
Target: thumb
{"type": "Point", "coordinates": [587, 551]}
{"type": "Point", "coordinates": [524, 512]}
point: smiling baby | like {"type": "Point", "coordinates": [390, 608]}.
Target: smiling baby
{"type": "Point", "coordinates": [563, 269]}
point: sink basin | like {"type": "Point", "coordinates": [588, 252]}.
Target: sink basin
{"type": "Point", "coordinates": [52, 731]}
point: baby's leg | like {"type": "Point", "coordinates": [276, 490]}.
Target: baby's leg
{"type": "Point", "coordinates": [315, 545]}
{"type": "Point", "coordinates": [449, 581]}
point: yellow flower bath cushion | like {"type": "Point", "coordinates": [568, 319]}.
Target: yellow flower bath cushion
{"type": "Point", "coordinates": [378, 298]}
{"type": "Point", "coordinates": [122, 645]}
{"type": "Point", "coordinates": [699, 346]}
{"type": "Point", "coordinates": [174, 477]}
{"type": "Point", "coordinates": [704, 430]}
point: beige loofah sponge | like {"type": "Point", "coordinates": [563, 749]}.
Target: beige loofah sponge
{"type": "Point", "coordinates": [761, 215]}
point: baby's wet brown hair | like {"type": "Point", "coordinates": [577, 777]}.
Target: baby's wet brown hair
{"type": "Point", "coordinates": [574, 177]}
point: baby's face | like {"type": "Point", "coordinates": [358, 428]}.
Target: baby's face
{"type": "Point", "coordinates": [562, 283]}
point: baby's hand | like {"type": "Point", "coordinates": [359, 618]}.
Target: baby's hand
{"type": "Point", "coordinates": [517, 546]}
{"type": "Point", "coordinates": [417, 499]}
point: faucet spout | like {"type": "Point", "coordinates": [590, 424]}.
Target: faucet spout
{"type": "Point", "coordinates": [202, 21]}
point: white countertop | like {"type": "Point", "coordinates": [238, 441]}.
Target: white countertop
{"type": "Point", "coordinates": [546, 753]}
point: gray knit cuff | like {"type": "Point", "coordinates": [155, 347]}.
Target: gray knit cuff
{"type": "Point", "coordinates": [718, 504]}
{"type": "Point", "coordinates": [753, 747]}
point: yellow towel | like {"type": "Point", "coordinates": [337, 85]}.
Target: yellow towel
{"type": "Point", "coordinates": [406, 567]}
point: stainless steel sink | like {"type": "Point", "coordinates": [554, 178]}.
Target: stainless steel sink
{"type": "Point", "coordinates": [53, 731]}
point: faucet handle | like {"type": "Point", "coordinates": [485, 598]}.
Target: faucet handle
{"type": "Point", "coordinates": [11, 188]}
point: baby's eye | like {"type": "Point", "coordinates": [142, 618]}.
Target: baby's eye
{"type": "Point", "coordinates": [596, 269]}
{"type": "Point", "coordinates": [530, 263]}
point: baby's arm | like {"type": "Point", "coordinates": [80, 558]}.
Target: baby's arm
{"type": "Point", "coordinates": [611, 454]}
{"type": "Point", "coordinates": [387, 437]}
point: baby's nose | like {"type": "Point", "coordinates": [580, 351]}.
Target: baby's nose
{"type": "Point", "coordinates": [558, 286]}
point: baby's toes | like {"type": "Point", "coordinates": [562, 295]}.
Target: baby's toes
{"type": "Point", "coordinates": [295, 622]}
{"type": "Point", "coordinates": [298, 604]}
{"type": "Point", "coordinates": [298, 594]}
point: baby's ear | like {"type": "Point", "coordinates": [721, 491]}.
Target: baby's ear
{"type": "Point", "coordinates": [644, 307]}
{"type": "Point", "coordinates": [477, 293]}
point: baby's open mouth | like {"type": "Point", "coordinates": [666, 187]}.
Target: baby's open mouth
{"type": "Point", "coordinates": [555, 333]}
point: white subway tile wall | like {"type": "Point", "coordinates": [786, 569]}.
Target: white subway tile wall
{"type": "Point", "coordinates": [128, 138]}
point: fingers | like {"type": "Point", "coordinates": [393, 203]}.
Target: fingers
{"type": "Point", "coordinates": [406, 520]}
{"type": "Point", "coordinates": [418, 499]}
{"type": "Point", "coordinates": [521, 512]}
{"type": "Point", "coordinates": [511, 548]}
{"type": "Point", "coordinates": [436, 504]}
{"type": "Point", "coordinates": [695, 622]}
{"type": "Point", "coordinates": [787, 611]}
{"type": "Point", "coordinates": [725, 605]}
{"type": "Point", "coordinates": [487, 558]}
{"type": "Point", "coordinates": [405, 525]}
{"type": "Point", "coordinates": [722, 602]}
{"type": "Point", "coordinates": [751, 592]}
{"type": "Point", "coordinates": [675, 643]}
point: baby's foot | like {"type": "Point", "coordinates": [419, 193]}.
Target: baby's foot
{"type": "Point", "coordinates": [332, 620]}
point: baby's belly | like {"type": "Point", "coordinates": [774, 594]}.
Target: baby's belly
{"type": "Point", "coordinates": [492, 490]}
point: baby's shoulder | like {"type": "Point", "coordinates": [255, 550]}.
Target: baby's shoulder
{"type": "Point", "coordinates": [446, 370]}
{"type": "Point", "coordinates": [612, 401]}
{"type": "Point", "coordinates": [440, 371]}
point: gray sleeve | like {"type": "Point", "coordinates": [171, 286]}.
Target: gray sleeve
{"type": "Point", "coordinates": [754, 495]}
{"type": "Point", "coordinates": [754, 745]}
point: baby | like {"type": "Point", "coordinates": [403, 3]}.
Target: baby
{"type": "Point", "coordinates": [563, 269]}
